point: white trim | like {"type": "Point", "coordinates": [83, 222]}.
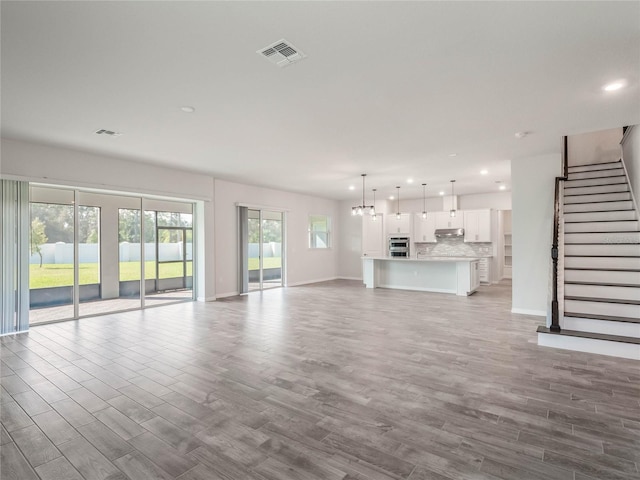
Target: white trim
{"type": "Point", "coordinates": [626, 174]}
{"type": "Point", "coordinates": [307, 282]}
{"type": "Point", "coordinates": [348, 278]}
{"type": "Point", "coordinates": [590, 345]}
{"type": "Point", "coordinates": [525, 311]}
{"type": "Point", "coordinates": [253, 206]}
{"type": "Point", "coordinates": [417, 289]}
{"type": "Point", "coordinates": [206, 299]}
{"type": "Point", "coordinates": [228, 294]}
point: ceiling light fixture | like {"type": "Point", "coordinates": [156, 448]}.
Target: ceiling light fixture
{"type": "Point", "coordinates": [521, 134]}
{"type": "Point", "coordinates": [361, 209]}
{"type": "Point", "coordinates": [502, 187]}
{"type": "Point", "coordinates": [424, 200]}
{"type": "Point", "coordinates": [452, 212]}
{"type": "Point", "coordinates": [441, 192]}
{"type": "Point", "coordinates": [391, 197]}
{"type": "Point", "coordinates": [352, 187]}
{"type": "Point", "coordinates": [374, 216]}
{"type": "Point", "coordinates": [398, 215]}
{"type": "Point", "coordinates": [187, 109]}
{"type": "Point", "coordinates": [613, 86]}
{"type": "Point", "coordinates": [409, 180]}
{"type": "Point", "coordinates": [484, 172]}
{"type": "Point", "coordinates": [453, 154]}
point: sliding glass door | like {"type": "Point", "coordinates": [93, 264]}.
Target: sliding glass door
{"type": "Point", "coordinates": [262, 248]}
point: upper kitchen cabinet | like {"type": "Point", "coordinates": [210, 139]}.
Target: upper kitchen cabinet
{"type": "Point", "coordinates": [373, 244]}
{"type": "Point", "coordinates": [477, 225]}
{"type": "Point", "coordinates": [398, 226]}
{"type": "Point", "coordinates": [445, 220]}
{"type": "Point", "coordinates": [424, 228]}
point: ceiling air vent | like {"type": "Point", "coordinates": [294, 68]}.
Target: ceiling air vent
{"type": "Point", "coordinates": [282, 53]}
{"type": "Point", "coordinates": [109, 133]}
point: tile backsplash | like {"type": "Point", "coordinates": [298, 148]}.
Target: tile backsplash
{"type": "Point", "coordinates": [453, 247]}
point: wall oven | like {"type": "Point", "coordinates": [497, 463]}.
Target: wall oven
{"type": "Point", "coordinates": [399, 247]}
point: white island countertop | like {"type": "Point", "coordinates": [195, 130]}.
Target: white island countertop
{"type": "Point", "coordinates": [457, 275]}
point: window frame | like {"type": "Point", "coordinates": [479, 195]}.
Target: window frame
{"type": "Point", "coordinates": [312, 244]}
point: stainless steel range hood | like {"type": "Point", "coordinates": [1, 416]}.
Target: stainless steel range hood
{"type": "Point", "coordinates": [449, 232]}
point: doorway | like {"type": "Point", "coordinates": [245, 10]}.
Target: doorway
{"type": "Point", "coordinates": [262, 259]}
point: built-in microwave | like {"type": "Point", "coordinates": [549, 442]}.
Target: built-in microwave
{"type": "Point", "coordinates": [399, 247]}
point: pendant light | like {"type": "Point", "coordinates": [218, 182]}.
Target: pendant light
{"type": "Point", "coordinates": [424, 201]}
{"type": "Point", "coordinates": [361, 209]}
{"type": "Point", "coordinates": [374, 216]}
{"type": "Point", "coordinates": [452, 212]}
{"type": "Point", "coordinates": [398, 215]}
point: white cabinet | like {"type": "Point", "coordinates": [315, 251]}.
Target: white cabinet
{"type": "Point", "coordinates": [477, 225]}
{"type": "Point", "coordinates": [372, 236]}
{"type": "Point", "coordinates": [402, 225]}
{"type": "Point", "coordinates": [423, 229]}
{"type": "Point", "coordinates": [445, 220]}
{"type": "Point", "coordinates": [475, 276]}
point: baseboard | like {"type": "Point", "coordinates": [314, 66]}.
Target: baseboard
{"type": "Point", "coordinates": [206, 299]}
{"type": "Point", "coordinates": [308, 282]}
{"type": "Point", "coordinates": [349, 278]}
{"type": "Point", "coordinates": [524, 311]}
{"type": "Point", "coordinates": [588, 345]}
{"type": "Point", "coordinates": [228, 294]}
{"type": "Point", "coordinates": [432, 290]}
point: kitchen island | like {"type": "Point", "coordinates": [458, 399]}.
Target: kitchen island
{"type": "Point", "coordinates": [457, 275]}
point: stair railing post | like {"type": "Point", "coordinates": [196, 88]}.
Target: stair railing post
{"type": "Point", "coordinates": [555, 311]}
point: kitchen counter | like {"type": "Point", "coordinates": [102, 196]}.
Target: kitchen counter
{"type": "Point", "coordinates": [457, 275]}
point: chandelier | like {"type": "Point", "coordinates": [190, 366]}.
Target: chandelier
{"type": "Point", "coordinates": [362, 209]}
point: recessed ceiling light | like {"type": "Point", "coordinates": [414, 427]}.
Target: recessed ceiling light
{"type": "Point", "coordinates": [503, 187]}
{"type": "Point", "coordinates": [391, 197]}
{"type": "Point", "coordinates": [521, 134]}
{"type": "Point", "coordinates": [453, 154]}
{"type": "Point", "coordinates": [352, 187]}
{"type": "Point", "coordinates": [484, 172]}
{"type": "Point", "coordinates": [187, 109]}
{"type": "Point", "coordinates": [441, 193]}
{"type": "Point", "coordinates": [613, 86]}
{"type": "Point", "coordinates": [409, 180]}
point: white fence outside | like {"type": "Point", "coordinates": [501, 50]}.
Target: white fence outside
{"type": "Point", "coordinates": [62, 253]}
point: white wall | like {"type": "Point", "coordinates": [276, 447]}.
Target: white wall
{"type": "Point", "coordinates": [631, 159]}
{"type": "Point", "coordinates": [496, 201]}
{"type": "Point", "coordinates": [533, 185]}
{"type": "Point", "coordinates": [303, 265]}
{"type": "Point", "coordinates": [60, 166]}
{"type": "Point", "coordinates": [350, 241]}
{"type": "Point", "coordinates": [594, 147]}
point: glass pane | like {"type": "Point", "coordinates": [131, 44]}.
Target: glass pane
{"type": "Point", "coordinates": [129, 266]}
{"type": "Point", "coordinates": [51, 262]}
{"type": "Point", "coordinates": [272, 249]}
{"type": "Point", "coordinates": [89, 260]}
{"type": "Point", "coordinates": [150, 248]}
{"type": "Point", "coordinates": [254, 249]}
{"type": "Point", "coordinates": [174, 280]}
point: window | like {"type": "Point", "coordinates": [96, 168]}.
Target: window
{"type": "Point", "coordinates": [319, 231]}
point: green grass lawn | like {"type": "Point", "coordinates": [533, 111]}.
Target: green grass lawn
{"type": "Point", "coordinates": [61, 275]}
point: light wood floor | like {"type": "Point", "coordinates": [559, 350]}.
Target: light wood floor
{"type": "Point", "coordinates": [330, 381]}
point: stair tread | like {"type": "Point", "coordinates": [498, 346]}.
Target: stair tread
{"type": "Point", "coordinates": [612, 176]}
{"type": "Point", "coordinates": [604, 269]}
{"type": "Point", "coordinates": [599, 243]}
{"type": "Point", "coordinates": [595, 336]}
{"type": "Point", "coordinates": [603, 300]}
{"type": "Point", "coordinates": [604, 256]}
{"type": "Point", "coordinates": [592, 164]}
{"type": "Point", "coordinates": [597, 221]}
{"type": "Point", "coordinates": [596, 193]}
{"type": "Point", "coordinates": [609, 318]}
{"type": "Point", "coordinates": [603, 284]}
{"type": "Point", "coordinates": [607, 232]}
{"type": "Point", "coordinates": [605, 211]}
{"type": "Point", "coordinates": [596, 185]}
{"type": "Point", "coordinates": [600, 201]}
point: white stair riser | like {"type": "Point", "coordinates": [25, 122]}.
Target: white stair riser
{"type": "Point", "coordinates": [624, 329]}
{"type": "Point", "coordinates": [621, 187]}
{"type": "Point", "coordinates": [611, 172]}
{"type": "Point", "coordinates": [622, 263]}
{"type": "Point", "coordinates": [593, 166]}
{"type": "Point", "coordinates": [598, 207]}
{"type": "Point", "coordinates": [600, 216]}
{"type": "Point", "coordinates": [602, 291]}
{"type": "Point", "coordinates": [602, 276]}
{"type": "Point", "coordinates": [613, 250]}
{"type": "Point", "coordinates": [599, 197]}
{"type": "Point", "coordinates": [602, 308]}
{"type": "Point", "coordinates": [590, 345]}
{"type": "Point", "coordinates": [630, 226]}
{"type": "Point", "coordinates": [603, 237]}
{"type": "Point", "coordinates": [595, 181]}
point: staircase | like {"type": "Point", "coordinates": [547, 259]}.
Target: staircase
{"type": "Point", "coordinates": [601, 264]}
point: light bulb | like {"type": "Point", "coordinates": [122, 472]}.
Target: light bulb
{"type": "Point", "coordinates": [372, 211]}
{"type": "Point", "coordinates": [424, 215]}
{"type": "Point", "coordinates": [452, 213]}
{"type": "Point", "coordinates": [353, 211]}
{"type": "Point", "coordinates": [360, 211]}
{"type": "Point", "coordinates": [398, 216]}
{"type": "Point", "coordinates": [374, 217]}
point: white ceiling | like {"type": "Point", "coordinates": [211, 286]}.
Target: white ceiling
{"type": "Point", "coordinates": [388, 88]}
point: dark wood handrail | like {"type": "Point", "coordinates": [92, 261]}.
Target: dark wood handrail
{"type": "Point", "coordinates": [555, 314]}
